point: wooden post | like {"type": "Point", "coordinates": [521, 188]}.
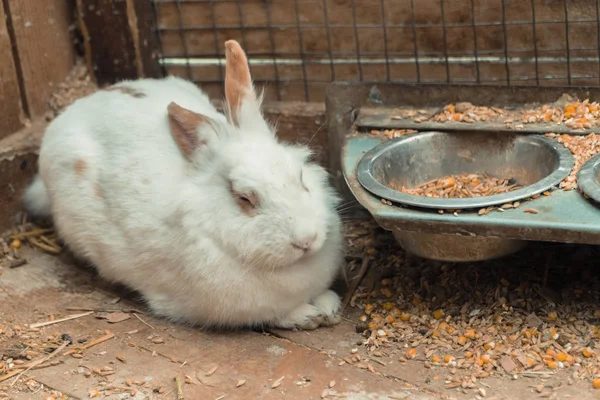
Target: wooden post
{"type": "Point", "coordinates": [44, 49]}
{"type": "Point", "coordinates": [10, 97]}
{"type": "Point", "coordinates": [118, 39]}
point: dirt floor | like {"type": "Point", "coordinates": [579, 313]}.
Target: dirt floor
{"type": "Point", "coordinates": [118, 351]}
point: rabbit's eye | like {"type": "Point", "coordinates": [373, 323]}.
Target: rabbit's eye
{"type": "Point", "coordinates": [247, 203]}
{"type": "Point", "coordinates": [245, 199]}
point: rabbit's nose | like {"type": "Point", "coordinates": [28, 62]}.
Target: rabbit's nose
{"type": "Point", "coordinates": [305, 244]}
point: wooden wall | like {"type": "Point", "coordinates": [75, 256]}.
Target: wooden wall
{"type": "Point", "coordinates": [10, 98]}
{"type": "Point", "coordinates": [37, 54]}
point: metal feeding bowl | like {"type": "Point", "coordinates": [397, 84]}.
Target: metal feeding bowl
{"type": "Point", "coordinates": [588, 178]}
{"type": "Point", "coordinates": [532, 161]}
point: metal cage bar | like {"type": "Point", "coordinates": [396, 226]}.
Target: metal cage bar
{"type": "Point", "coordinates": [299, 47]}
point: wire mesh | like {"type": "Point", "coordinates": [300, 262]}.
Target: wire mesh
{"type": "Point", "coordinates": [296, 47]}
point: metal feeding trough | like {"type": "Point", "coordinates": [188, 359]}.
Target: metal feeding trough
{"type": "Point", "coordinates": [534, 162]}
{"type": "Point", "coordinates": [370, 162]}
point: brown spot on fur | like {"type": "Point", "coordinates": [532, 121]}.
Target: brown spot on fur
{"type": "Point", "coordinates": [184, 128]}
{"type": "Point", "coordinates": [126, 90]}
{"type": "Point", "coordinates": [238, 83]}
{"type": "Point", "coordinates": [80, 167]}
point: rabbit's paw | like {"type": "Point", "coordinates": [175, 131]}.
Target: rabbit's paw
{"type": "Point", "coordinates": [306, 316]}
{"type": "Point", "coordinates": [329, 303]}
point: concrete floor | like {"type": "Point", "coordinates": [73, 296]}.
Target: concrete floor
{"type": "Point", "coordinates": [307, 362]}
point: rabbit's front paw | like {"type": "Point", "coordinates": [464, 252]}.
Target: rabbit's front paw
{"type": "Point", "coordinates": [307, 317]}
{"type": "Point", "coordinates": [329, 303]}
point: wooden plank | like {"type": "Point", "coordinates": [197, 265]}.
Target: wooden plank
{"type": "Point", "coordinates": [45, 48]}
{"type": "Point", "coordinates": [141, 19]}
{"type": "Point", "coordinates": [10, 99]}
{"type": "Point", "coordinates": [118, 39]}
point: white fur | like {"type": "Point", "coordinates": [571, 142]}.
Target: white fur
{"type": "Point", "coordinates": [36, 198]}
{"type": "Point", "coordinates": [170, 228]}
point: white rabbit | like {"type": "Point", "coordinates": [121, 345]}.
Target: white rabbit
{"type": "Point", "coordinates": [209, 217]}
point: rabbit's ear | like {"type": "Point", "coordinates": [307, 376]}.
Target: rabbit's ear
{"type": "Point", "coordinates": [242, 102]}
{"type": "Point", "coordinates": [190, 130]}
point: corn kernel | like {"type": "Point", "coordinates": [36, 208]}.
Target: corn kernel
{"type": "Point", "coordinates": [550, 352]}
{"type": "Point", "coordinates": [449, 329]}
{"type": "Point", "coordinates": [448, 358]}
{"type": "Point", "coordinates": [570, 108]}
{"type": "Point", "coordinates": [369, 308]}
{"type": "Point", "coordinates": [436, 359]}
{"type": "Point", "coordinates": [387, 293]}
{"type": "Point", "coordinates": [530, 362]}
{"type": "Point", "coordinates": [462, 340]}
{"type": "Point", "coordinates": [389, 319]}
{"type": "Point", "coordinates": [388, 306]}
{"type": "Point", "coordinates": [551, 364]}
{"type": "Point", "coordinates": [15, 244]}
{"type": "Point", "coordinates": [560, 357]}
{"type": "Point", "coordinates": [451, 108]}
{"type": "Point", "coordinates": [363, 318]}
{"type": "Point", "coordinates": [438, 314]}
{"type": "Point", "coordinates": [373, 325]}
{"type": "Point", "coordinates": [552, 316]}
{"type": "Point", "coordinates": [596, 383]}
{"type": "Point", "coordinates": [376, 318]}
{"type": "Point", "coordinates": [570, 359]}
{"type": "Point", "coordinates": [410, 354]}
{"type": "Point", "coordinates": [470, 334]}
{"type": "Point", "coordinates": [468, 354]}
{"type": "Point", "coordinates": [485, 359]}
{"type": "Point", "coordinates": [405, 317]}
{"type": "Point", "coordinates": [587, 352]}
